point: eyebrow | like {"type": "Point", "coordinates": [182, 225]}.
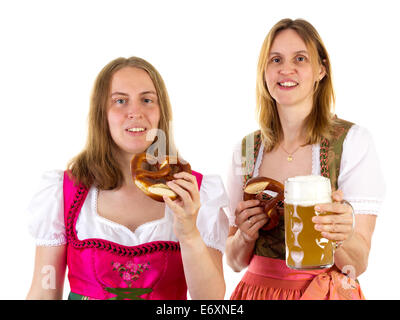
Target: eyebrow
{"type": "Point", "coordinates": [149, 92]}
{"type": "Point", "coordinates": [118, 94]}
{"type": "Point", "coordinates": [125, 94]}
{"type": "Point", "coordinates": [296, 52]}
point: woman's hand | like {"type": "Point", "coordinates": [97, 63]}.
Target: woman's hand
{"type": "Point", "coordinates": [186, 207]}
{"type": "Point", "coordinates": [196, 256]}
{"type": "Point", "coordinates": [338, 224]}
{"type": "Point", "coordinates": [249, 219]}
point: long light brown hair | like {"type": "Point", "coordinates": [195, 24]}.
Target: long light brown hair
{"type": "Point", "coordinates": [318, 123]}
{"type": "Point", "coordinates": [97, 163]}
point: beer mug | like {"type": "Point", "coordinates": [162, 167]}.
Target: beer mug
{"type": "Point", "coordinates": [305, 246]}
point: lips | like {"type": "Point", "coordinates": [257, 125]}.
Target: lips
{"type": "Point", "coordinates": [136, 129]}
{"type": "Point", "coordinates": [288, 84]}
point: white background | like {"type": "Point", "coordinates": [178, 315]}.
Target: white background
{"type": "Point", "coordinates": [206, 51]}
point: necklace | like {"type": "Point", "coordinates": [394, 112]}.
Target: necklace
{"type": "Point", "coordinates": [290, 154]}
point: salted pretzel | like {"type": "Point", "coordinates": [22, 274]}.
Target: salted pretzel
{"type": "Point", "coordinates": [270, 192]}
{"type": "Point", "coordinates": [153, 181]}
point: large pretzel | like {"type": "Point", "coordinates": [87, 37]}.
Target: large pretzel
{"type": "Point", "coordinates": [270, 192]}
{"type": "Point", "coordinates": [153, 181]}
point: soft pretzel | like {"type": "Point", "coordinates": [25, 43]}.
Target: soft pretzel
{"type": "Point", "coordinates": [153, 181]}
{"type": "Point", "coordinates": [255, 189]}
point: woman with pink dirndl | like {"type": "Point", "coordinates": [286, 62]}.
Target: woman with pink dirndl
{"type": "Point", "coordinates": [117, 242]}
{"type": "Point", "coordinates": [300, 135]}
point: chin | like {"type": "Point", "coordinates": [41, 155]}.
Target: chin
{"type": "Point", "coordinates": [132, 150]}
{"type": "Point", "coordinates": [285, 103]}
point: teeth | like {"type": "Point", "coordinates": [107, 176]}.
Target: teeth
{"type": "Point", "coordinates": [288, 84]}
{"type": "Point", "coordinates": [136, 129]}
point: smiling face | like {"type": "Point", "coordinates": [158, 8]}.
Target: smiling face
{"type": "Point", "coordinates": [290, 76]}
{"type": "Point", "coordinates": [133, 110]}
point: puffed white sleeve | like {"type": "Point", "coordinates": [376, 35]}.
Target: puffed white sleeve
{"type": "Point", "coordinates": [46, 211]}
{"type": "Point", "coordinates": [211, 220]}
{"type": "Point", "coordinates": [234, 183]}
{"type": "Point", "coordinates": [360, 177]}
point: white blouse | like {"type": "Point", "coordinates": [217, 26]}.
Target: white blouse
{"type": "Point", "coordinates": [46, 217]}
{"type": "Point", "coordinates": [360, 177]}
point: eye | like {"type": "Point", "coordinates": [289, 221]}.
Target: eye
{"type": "Point", "coordinates": [149, 99]}
{"type": "Point", "coordinates": [276, 60]}
{"type": "Point", "coordinates": [300, 58]}
{"type": "Point", "coordinates": [120, 101]}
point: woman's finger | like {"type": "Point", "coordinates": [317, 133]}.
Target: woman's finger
{"type": "Point", "coordinates": [186, 176]}
{"type": "Point", "coordinates": [333, 209]}
{"type": "Point", "coordinates": [253, 229]}
{"type": "Point", "coordinates": [334, 228]}
{"type": "Point", "coordinates": [246, 214]}
{"type": "Point", "coordinates": [243, 205]}
{"type": "Point", "coordinates": [254, 219]}
{"type": "Point", "coordinates": [334, 236]}
{"type": "Point", "coordinates": [190, 187]}
{"type": "Point", "coordinates": [344, 218]}
{"type": "Point", "coordinates": [173, 205]}
{"type": "Point", "coordinates": [250, 231]}
{"type": "Point", "coordinates": [184, 194]}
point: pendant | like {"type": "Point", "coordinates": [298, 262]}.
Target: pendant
{"type": "Point", "coordinates": [290, 158]}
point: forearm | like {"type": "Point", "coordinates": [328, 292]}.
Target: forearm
{"type": "Point", "coordinates": [352, 256]}
{"type": "Point", "coordinates": [239, 251]}
{"type": "Point", "coordinates": [37, 292]}
{"type": "Point", "coordinates": [49, 273]}
{"type": "Point", "coordinates": [203, 272]}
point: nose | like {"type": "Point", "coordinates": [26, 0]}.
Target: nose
{"type": "Point", "coordinates": [134, 115]}
{"type": "Point", "coordinates": [287, 68]}
{"type": "Point", "coordinates": [135, 111]}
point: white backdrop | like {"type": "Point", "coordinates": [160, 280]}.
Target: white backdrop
{"type": "Point", "coordinates": [206, 51]}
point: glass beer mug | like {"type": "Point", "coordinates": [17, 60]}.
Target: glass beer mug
{"type": "Point", "coordinates": [305, 246]}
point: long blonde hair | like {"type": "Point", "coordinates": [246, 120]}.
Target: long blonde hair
{"type": "Point", "coordinates": [318, 123]}
{"type": "Point", "coordinates": [97, 163]}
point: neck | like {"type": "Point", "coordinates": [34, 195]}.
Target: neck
{"type": "Point", "coordinates": [125, 166]}
{"type": "Point", "coordinates": [292, 121]}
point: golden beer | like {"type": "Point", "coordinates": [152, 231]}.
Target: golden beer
{"type": "Point", "coordinates": [305, 246]}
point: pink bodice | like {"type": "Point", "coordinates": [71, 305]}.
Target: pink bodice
{"type": "Point", "coordinates": [102, 269]}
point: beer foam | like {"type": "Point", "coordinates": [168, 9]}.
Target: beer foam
{"type": "Point", "coordinates": [307, 190]}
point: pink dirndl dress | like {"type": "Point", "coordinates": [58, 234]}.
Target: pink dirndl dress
{"type": "Point", "coordinates": [100, 269]}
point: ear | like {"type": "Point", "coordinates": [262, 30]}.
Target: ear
{"type": "Point", "coordinates": [322, 71]}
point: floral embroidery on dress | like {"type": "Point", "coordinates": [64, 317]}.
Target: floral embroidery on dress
{"type": "Point", "coordinates": [130, 272]}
